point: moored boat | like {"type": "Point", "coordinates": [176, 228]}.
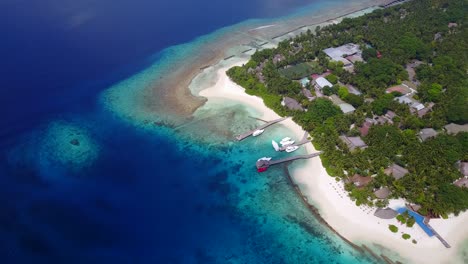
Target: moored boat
{"type": "Point", "coordinates": [258, 132]}
{"type": "Point", "coordinates": [285, 139]}
{"type": "Point", "coordinates": [287, 143]}
{"type": "Point", "coordinates": [264, 158]}
{"type": "Point", "coordinates": [275, 145]}
{"type": "Point", "coordinates": [291, 148]}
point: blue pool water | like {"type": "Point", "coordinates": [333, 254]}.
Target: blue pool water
{"type": "Point", "coordinates": [78, 184]}
{"type": "Point", "coordinates": [419, 220]}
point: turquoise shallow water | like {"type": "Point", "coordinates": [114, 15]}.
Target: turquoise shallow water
{"type": "Point", "coordinates": [109, 183]}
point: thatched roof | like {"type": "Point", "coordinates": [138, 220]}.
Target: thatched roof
{"type": "Point", "coordinates": [462, 182]}
{"type": "Point", "coordinates": [396, 171]}
{"type": "Point", "coordinates": [360, 181]}
{"type": "Point", "coordinates": [464, 168]}
{"type": "Point", "coordinates": [382, 193]}
{"type": "Point", "coordinates": [455, 129]}
{"type": "Point", "coordinates": [386, 213]}
{"type": "Point", "coordinates": [291, 104]}
{"type": "Point", "coordinates": [427, 133]}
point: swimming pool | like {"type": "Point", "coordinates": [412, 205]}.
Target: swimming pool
{"type": "Point", "coordinates": [419, 220]}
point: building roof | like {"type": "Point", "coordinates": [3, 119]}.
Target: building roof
{"type": "Point", "coordinates": [386, 213]}
{"type": "Point", "coordinates": [307, 93]}
{"type": "Point", "coordinates": [353, 90]}
{"type": "Point", "coordinates": [418, 106]}
{"type": "Point", "coordinates": [382, 193]}
{"type": "Point", "coordinates": [346, 108]}
{"type": "Point", "coordinates": [345, 61]}
{"type": "Point", "coordinates": [304, 81]}
{"type": "Point", "coordinates": [390, 114]}
{"type": "Point", "coordinates": [322, 82]}
{"type": "Point", "coordinates": [347, 49]}
{"type": "Point", "coordinates": [396, 171]}
{"type": "Point", "coordinates": [404, 100]}
{"type": "Point", "coordinates": [398, 88]}
{"type": "Point", "coordinates": [463, 167]}
{"type": "Point", "coordinates": [364, 129]}
{"type": "Point", "coordinates": [360, 181]}
{"type": "Point", "coordinates": [426, 133]}
{"type": "Point", "coordinates": [424, 111]}
{"type": "Point", "coordinates": [455, 129]}
{"type": "Point", "coordinates": [462, 182]}
{"type": "Point", "coordinates": [353, 142]}
{"type": "Point", "coordinates": [354, 58]}
{"type": "Point", "coordinates": [291, 104]}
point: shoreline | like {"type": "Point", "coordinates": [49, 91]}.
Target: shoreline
{"type": "Point", "coordinates": [160, 92]}
{"type": "Point", "coordinates": [326, 199]}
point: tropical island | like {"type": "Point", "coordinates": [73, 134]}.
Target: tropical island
{"type": "Point", "coordinates": [385, 97]}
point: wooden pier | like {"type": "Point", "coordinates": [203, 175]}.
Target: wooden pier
{"type": "Point", "coordinates": [262, 165]}
{"type": "Point", "coordinates": [445, 243]}
{"type": "Point", "coordinates": [249, 133]}
{"type": "Point", "coordinates": [299, 143]}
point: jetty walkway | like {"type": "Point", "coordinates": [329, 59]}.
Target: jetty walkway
{"type": "Point", "coordinates": [445, 243]}
{"type": "Point", "coordinates": [249, 133]}
{"type": "Point", "coordinates": [262, 165]}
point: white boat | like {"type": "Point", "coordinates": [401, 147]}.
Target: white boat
{"type": "Point", "coordinates": [275, 145]}
{"type": "Point", "coordinates": [264, 158]}
{"type": "Point", "coordinates": [287, 143]}
{"type": "Point", "coordinates": [257, 132]}
{"type": "Point", "coordinates": [285, 139]}
{"type": "Point", "coordinates": [291, 148]}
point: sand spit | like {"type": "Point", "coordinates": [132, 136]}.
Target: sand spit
{"type": "Point", "coordinates": [159, 95]}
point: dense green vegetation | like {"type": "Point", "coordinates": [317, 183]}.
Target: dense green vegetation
{"type": "Point", "coordinates": [390, 39]}
{"type": "Point", "coordinates": [406, 236]}
{"type": "Point", "coordinates": [393, 228]}
{"type": "Point", "coordinates": [300, 70]}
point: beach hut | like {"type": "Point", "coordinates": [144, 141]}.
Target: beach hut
{"type": "Point", "coordinates": [387, 213]}
{"type": "Point", "coordinates": [291, 104]}
{"type": "Point", "coordinates": [396, 171]}
{"type": "Point", "coordinates": [382, 193]}
{"type": "Point", "coordinates": [360, 181]}
{"type": "Point", "coordinates": [427, 133]}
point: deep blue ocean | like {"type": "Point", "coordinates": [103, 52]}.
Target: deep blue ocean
{"type": "Point", "coordinates": [78, 185]}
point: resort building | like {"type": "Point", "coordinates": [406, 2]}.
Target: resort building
{"type": "Point", "coordinates": [364, 129]}
{"type": "Point", "coordinates": [360, 181]}
{"type": "Point", "coordinates": [353, 142]}
{"type": "Point", "coordinates": [402, 89]}
{"type": "Point", "coordinates": [345, 107]}
{"type": "Point", "coordinates": [382, 193]}
{"type": "Point", "coordinates": [427, 133]}
{"type": "Point", "coordinates": [304, 82]}
{"type": "Point", "coordinates": [338, 53]}
{"type": "Point", "coordinates": [453, 129]}
{"type": "Point", "coordinates": [463, 181]}
{"type": "Point", "coordinates": [390, 115]}
{"type": "Point", "coordinates": [426, 110]}
{"type": "Point", "coordinates": [387, 213]}
{"type": "Point", "coordinates": [413, 104]}
{"type": "Point", "coordinates": [463, 167]}
{"type": "Point", "coordinates": [352, 89]}
{"type": "Point", "coordinates": [396, 171]}
{"type": "Point", "coordinates": [291, 104]}
{"type": "Point", "coordinates": [321, 83]}
{"type": "Point", "coordinates": [308, 94]}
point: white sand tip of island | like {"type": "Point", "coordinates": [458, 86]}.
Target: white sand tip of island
{"type": "Point", "coordinates": [357, 224]}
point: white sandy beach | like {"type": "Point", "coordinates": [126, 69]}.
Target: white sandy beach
{"type": "Point", "coordinates": [358, 224]}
